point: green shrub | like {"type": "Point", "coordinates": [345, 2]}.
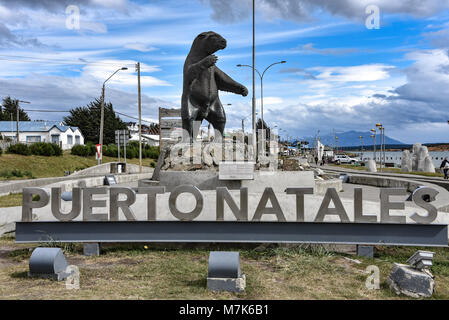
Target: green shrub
{"type": "Point", "coordinates": [1, 151]}
{"type": "Point", "coordinates": [111, 150]}
{"type": "Point", "coordinates": [15, 173]}
{"type": "Point", "coordinates": [45, 149]}
{"type": "Point", "coordinates": [82, 151]}
{"type": "Point", "coordinates": [19, 148]}
{"type": "Point", "coordinates": [57, 150]}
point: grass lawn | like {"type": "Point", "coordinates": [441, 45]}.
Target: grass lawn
{"type": "Point", "coordinates": [44, 167]}
{"type": "Point", "coordinates": [12, 200]}
{"type": "Point", "coordinates": [392, 170]}
{"type": "Point", "coordinates": [133, 272]}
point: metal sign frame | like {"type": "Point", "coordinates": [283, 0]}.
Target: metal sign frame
{"type": "Point", "coordinates": [422, 235]}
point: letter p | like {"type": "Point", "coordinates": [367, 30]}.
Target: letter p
{"type": "Point", "coordinates": [28, 204]}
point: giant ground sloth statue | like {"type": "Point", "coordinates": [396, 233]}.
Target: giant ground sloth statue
{"type": "Point", "coordinates": [202, 80]}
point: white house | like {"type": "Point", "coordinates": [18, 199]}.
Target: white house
{"type": "Point", "coordinates": [152, 140]}
{"type": "Point", "coordinates": [42, 131]}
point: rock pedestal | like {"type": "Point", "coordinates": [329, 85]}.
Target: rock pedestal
{"type": "Point", "coordinates": [207, 156]}
{"type": "Point", "coordinates": [419, 162]}
{"type": "Point", "coordinates": [428, 165]}
{"type": "Point", "coordinates": [411, 282]}
{"type": "Point", "coordinates": [406, 162]}
{"type": "Point", "coordinates": [291, 165]}
{"type": "Point", "coordinates": [371, 166]}
{"type": "Point", "coordinates": [422, 162]}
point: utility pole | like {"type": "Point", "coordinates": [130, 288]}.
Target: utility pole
{"type": "Point", "coordinates": [243, 126]}
{"type": "Point", "coordinates": [18, 116]}
{"type": "Point", "coordinates": [140, 116]}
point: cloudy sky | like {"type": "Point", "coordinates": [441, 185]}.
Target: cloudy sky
{"type": "Point", "coordinates": [339, 74]}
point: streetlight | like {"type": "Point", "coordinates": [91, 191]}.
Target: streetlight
{"type": "Point", "coordinates": [336, 144]}
{"type": "Point", "coordinates": [374, 136]}
{"type": "Point", "coordinates": [243, 122]}
{"type": "Point", "coordinates": [102, 113]}
{"type": "Point", "coordinates": [261, 75]}
{"type": "Point", "coordinates": [382, 145]}
{"type": "Point", "coordinates": [361, 148]}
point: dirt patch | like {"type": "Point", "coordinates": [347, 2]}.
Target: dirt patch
{"type": "Point", "coordinates": [5, 258]}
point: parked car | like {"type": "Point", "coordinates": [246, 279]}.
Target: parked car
{"type": "Point", "coordinates": [344, 159]}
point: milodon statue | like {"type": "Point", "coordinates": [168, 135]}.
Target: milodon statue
{"type": "Point", "coordinates": [202, 81]}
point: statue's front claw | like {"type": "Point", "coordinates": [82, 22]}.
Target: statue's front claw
{"type": "Point", "coordinates": [244, 91]}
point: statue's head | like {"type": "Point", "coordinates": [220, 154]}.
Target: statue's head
{"type": "Point", "coordinates": [209, 42]}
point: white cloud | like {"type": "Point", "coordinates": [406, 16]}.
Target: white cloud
{"type": "Point", "coordinates": [139, 46]}
{"type": "Point", "coordinates": [102, 70]}
{"type": "Point", "coordinates": [227, 11]}
{"type": "Point", "coordinates": [362, 73]}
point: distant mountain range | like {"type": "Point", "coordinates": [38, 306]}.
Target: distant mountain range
{"type": "Point", "coordinates": [352, 139]}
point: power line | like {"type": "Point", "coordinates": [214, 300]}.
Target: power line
{"type": "Point", "coordinates": [131, 117]}
{"type": "Point", "coordinates": [65, 111]}
{"type": "Point", "coordinates": [45, 110]}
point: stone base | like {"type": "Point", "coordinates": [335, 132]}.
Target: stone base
{"type": "Point", "coordinates": [91, 249]}
{"type": "Point", "coordinates": [227, 284]}
{"type": "Point", "coordinates": [365, 251]}
{"type": "Point", "coordinates": [406, 280]}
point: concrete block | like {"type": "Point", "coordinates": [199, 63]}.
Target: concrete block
{"type": "Point", "coordinates": [322, 186]}
{"type": "Point", "coordinates": [48, 263]}
{"type": "Point", "coordinates": [280, 180]}
{"type": "Point", "coordinates": [91, 249]}
{"type": "Point", "coordinates": [365, 251]}
{"type": "Point", "coordinates": [224, 272]}
{"type": "Point", "coordinates": [227, 284]}
{"type": "Point", "coordinates": [408, 281]}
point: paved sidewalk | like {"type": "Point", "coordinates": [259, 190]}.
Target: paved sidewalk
{"type": "Point", "coordinates": [383, 174]}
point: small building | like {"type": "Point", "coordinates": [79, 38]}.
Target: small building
{"type": "Point", "coordinates": [42, 131]}
{"type": "Point", "coordinates": [151, 140]}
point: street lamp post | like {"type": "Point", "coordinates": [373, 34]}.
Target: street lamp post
{"type": "Point", "coordinates": [254, 83]}
{"type": "Point", "coordinates": [261, 76]}
{"type": "Point", "coordinates": [243, 122]}
{"type": "Point", "coordinates": [374, 136]}
{"type": "Point", "coordinates": [336, 145]}
{"type": "Point", "coordinates": [382, 145]}
{"type": "Point", "coordinates": [361, 148]}
{"type": "Point", "coordinates": [102, 113]}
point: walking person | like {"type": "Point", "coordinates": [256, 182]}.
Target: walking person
{"type": "Point", "coordinates": [316, 160]}
{"type": "Point", "coordinates": [445, 167]}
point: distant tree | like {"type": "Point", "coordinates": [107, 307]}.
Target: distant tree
{"type": "Point", "coordinates": [154, 129]}
{"type": "Point", "coordinates": [9, 107]}
{"type": "Point", "coordinates": [87, 119]}
{"type": "Point", "coordinates": [259, 126]}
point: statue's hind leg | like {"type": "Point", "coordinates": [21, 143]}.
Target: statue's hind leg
{"type": "Point", "coordinates": [217, 118]}
{"type": "Point", "coordinates": [191, 123]}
